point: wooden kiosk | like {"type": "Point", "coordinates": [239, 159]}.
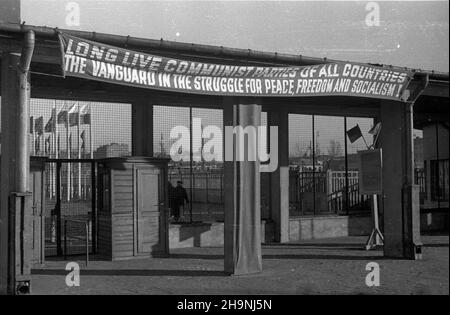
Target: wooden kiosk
{"type": "Point", "coordinates": [132, 207]}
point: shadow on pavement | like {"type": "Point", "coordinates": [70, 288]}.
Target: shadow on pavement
{"type": "Point", "coordinates": [196, 256]}
{"type": "Point", "coordinates": [436, 245]}
{"type": "Point", "coordinates": [324, 257]}
{"type": "Point", "coordinates": [285, 256]}
{"type": "Point", "coordinates": [333, 245]}
{"type": "Point", "coordinates": [129, 272]}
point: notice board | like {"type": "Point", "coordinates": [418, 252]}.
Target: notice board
{"type": "Point", "coordinates": [370, 172]}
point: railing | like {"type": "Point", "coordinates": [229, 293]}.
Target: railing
{"type": "Point", "coordinates": [207, 198]}
{"type": "Point", "coordinates": [420, 179]}
{"type": "Point", "coordinates": [338, 203]}
{"type": "Point", "coordinates": [325, 193]}
{"type": "Point", "coordinates": [207, 185]}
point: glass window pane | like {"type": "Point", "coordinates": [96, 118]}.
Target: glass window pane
{"type": "Point", "coordinates": [356, 201]}
{"type": "Point", "coordinates": [165, 118]}
{"type": "Point", "coordinates": [301, 189]}
{"type": "Point", "coordinates": [330, 180]}
{"type": "Point", "coordinates": [207, 199]}
{"type": "Point", "coordinates": [106, 125]}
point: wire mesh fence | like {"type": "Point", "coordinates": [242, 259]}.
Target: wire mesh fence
{"type": "Point", "coordinates": [66, 129]}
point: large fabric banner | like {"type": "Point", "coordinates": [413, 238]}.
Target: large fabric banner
{"type": "Point", "coordinates": [96, 61]}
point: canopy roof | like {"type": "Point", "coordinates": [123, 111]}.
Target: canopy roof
{"type": "Point", "coordinates": [47, 39]}
{"type": "Point", "coordinates": [47, 56]}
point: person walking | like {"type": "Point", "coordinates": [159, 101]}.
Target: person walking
{"type": "Point", "coordinates": [180, 197]}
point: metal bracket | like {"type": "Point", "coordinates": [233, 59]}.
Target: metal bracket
{"type": "Point", "coordinates": [411, 96]}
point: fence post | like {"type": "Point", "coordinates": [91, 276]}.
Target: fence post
{"type": "Point", "coordinates": [192, 195]}
{"type": "Point", "coordinates": [58, 209]}
{"type": "Point", "coordinates": [329, 182]}
{"type": "Point", "coordinates": [221, 188]}
{"type": "Point", "coordinates": [94, 207]}
{"type": "Point", "coordinates": [297, 183]}
{"type": "Point", "coordinates": [87, 242]}
{"type": "Point", "coordinates": [65, 239]}
{"type": "Point", "coordinates": [207, 197]}
{"type": "Point", "coordinates": [206, 184]}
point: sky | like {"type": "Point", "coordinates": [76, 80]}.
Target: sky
{"type": "Point", "coordinates": [407, 33]}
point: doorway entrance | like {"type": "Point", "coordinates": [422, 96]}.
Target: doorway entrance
{"type": "Point", "coordinates": [69, 214]}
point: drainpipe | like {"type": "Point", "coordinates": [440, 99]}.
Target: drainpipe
{"type": "Point", "coordinates": [412, 247]}
{"type": "Point", "coordinates": [22, 157]}
{"type": "Point", "coordinates": [409, 125]}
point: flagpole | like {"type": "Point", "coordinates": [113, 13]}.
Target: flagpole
{"type": "Point", "coordinates": [55, 129]}
{"type": "Point", "coordinates": [90, 131]}
{"type": "Point", "coordinates": [365, 141]}
{"type": "Point", "coordinates": [34, 139]}
{"type": "Point", "coordinates": [40, 143]}
{"type": "Point", "coordinates": [56, 144]}
{"type": "Point", "coordinates": [55, 124]}
{"type": "Point", "coordinates": [68, 154]}
{"type": "Point", "coordinates": [84, 178]}
{"type": "Point", "coordinates": [79, 152]}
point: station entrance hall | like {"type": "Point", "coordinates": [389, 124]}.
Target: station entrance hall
{"type": "Point", "coordinates": [106, 146]}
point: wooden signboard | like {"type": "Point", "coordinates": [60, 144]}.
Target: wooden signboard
{"type": "Point", "coordinates": [370, 170]}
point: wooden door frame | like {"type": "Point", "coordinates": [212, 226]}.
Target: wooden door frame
{"type": "Point", "coordinates": [162, 208]}
{"type": "Point", "coordinates": [37, 166]}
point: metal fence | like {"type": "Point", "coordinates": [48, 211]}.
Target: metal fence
{"type": "Point", "coordinates": [205, 189]}
{"type": "Point", "coordinates": [70, 207]}
{"type": "Point", "coordinates": [325, 192]}
{"type": "Point", "coordinates": [420, 179]}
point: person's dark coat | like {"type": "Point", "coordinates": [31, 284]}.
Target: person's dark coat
{"type": "Point", "coordinates": [180, 196]}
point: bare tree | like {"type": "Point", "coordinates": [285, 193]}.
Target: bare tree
{"type": "Point", "coordinates": [300, 150]}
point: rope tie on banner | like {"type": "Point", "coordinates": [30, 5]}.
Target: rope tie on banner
{"type": "Point", "coordinates": [126, 41]}
{"type": "Point", "coordinates": [57, 32]}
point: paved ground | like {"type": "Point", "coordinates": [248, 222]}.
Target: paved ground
{"type": "Point", "coordinates": [334, 266]}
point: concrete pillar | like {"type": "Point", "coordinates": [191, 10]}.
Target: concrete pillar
{"type": "Point", "coordinates": [142, 128]}
{"type": "Point", "coordinates": [400, 195]}
{"type": "Point", "coordinates": [15, 209]}
{"type": "Point", "coordinates": [279, 180]}
{"type": "Point", "coordinates": [242, 239]}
